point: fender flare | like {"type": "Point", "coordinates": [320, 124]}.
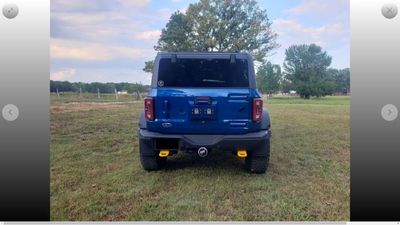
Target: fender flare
{"type": "Point", "coordinates": [142, 121]}
{"type": "Point", "coordinates": [265, 122]}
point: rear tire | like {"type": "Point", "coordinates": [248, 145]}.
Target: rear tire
{"type": "Point", "coordinates": [152, 163]}
{"type": "Point", "coordinates": [258, 164]}
{"type": "Point", "coordinates": [149, 161]}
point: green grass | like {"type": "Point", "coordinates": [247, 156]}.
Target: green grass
{"type": "Point", "coordinates": [329, 100]}
{"type": "Point", "coordinates": [96, 173]}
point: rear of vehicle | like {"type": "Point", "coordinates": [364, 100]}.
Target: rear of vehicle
{"type": "Point", "coordinates": [201, 102]}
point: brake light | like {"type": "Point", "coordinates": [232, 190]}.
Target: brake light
{"type": "Point", "coordinates": [149, 108]}
{"type": "Point", "coordinates": [257, 109]}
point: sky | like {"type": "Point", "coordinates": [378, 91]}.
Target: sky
{"type": "Point", "coordinates": [109, 40]}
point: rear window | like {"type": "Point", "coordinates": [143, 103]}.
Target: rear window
{"type": "Point", "coordinates": [203, 73]}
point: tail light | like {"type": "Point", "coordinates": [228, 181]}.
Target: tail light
{"type": "Point", "coordinates": [149, 108]}
{"type": "Point", "coordinates": [257, 109]}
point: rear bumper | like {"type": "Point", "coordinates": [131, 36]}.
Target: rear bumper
{"type": "Point", "coordinates": [255, 141]}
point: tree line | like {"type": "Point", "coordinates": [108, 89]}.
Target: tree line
{"type": "Point", "coordinates": [237, 25]}
{"type": "Point", "coordinates": [306, 70]}
{"type": "Point", "coordinates": [66, 86]}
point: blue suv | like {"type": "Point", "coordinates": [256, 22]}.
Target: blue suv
{"type": "Point", "coordinates": [201, 102]}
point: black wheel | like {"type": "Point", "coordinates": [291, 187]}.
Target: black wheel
{"type": "Point", "coordinates": [152, 163]}
{"type": "Point", "coordinates": [258, 164]}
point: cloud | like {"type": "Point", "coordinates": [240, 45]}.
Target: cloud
{"type": "Point", "coordinates": [104, 75]}
{"type": "Point", "coordinates": [80, 6]}
{"type": "Point", "coordinates": [134, 3]}
{"type": "Point", "coordinates": [63, 74]}
{"type": "Point", "coordinates": [150, 35]}
{"type": "Point", "coordinates": [325, 23]}
{"type": "Point", "coordinates": [80, 19]}
{"type": "Point", "coordinates": [115, 26]}
{"type": "Point", "coordinates": [78, 50]}
{"type": "Point", "coordinates": [95, 5]}
{"type": "Point", "coordinates": [118, 22]}
{"type": "Point", "coordinates": [333, 37]}
{"type": "Point", "coordinates": [165, 13]}
{"type": "Point", "coordinates": [99, 26]}
{"type": "Point", "coordinates": [296, 30]}
{"type": "Point", "coordinates": [64, 50]}
{"type": "Point", "coordinates": [318, 7]}
{"type": "Point", "coordinates": [308, 6]}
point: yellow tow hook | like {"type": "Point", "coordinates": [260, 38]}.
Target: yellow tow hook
{"type": "Point", "coordinates": [242, 153]}
{"type": "Point", "coordinates": [164, 153]}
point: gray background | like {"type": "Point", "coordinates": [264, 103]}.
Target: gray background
{"type": "Point", "coordinates": [375, 82]}
{"type": "Point", "coordinates": [24, 82]}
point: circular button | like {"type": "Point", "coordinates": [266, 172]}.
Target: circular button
{"type": "Point", "coordinates": [389, 112]}
{"type": "Point", "coordinates": [389, 10]}
{"type": "Point", "coordinates": [10, 112]}
{"type": "Point", "coordinates": [10, 10]}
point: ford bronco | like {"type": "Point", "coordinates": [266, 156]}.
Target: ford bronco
{"type": "Point", "coordinates": [202, 102]}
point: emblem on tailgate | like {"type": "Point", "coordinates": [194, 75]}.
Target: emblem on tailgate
{"type": "Point", "coordinates": [166, 125]}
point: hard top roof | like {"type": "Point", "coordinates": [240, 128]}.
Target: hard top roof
{"type": "Point", "coordinates": [241, 53]}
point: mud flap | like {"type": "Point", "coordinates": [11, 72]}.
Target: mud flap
{"type": "Point", "coordinates": [261, 149]}
{"type": "Point", "coordinates": [146, 147]}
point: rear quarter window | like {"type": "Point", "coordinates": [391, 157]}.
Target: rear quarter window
{"type": "Point", "coordinates": [203, 73]}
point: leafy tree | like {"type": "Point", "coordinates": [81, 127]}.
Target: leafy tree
{"type": "Point", "coordinates": [269, 77]}
{"type": "Point", "coordinates": [219, 25]}
{"type": "Point", "coordinates": [306, 68]}
{"type": "Point", "coordinates": [148, 67]}
{"type": "Point", "coordinates": [286, 86]}
{"type": "Point", "coordinates": [62, 86]}
{"type": "Point", "coordinates": [341, 79]}
{"type": "Point", "coordinates": [176, 36]}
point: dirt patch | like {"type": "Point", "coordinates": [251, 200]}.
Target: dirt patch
{"type": "Point", "coordinates": [72, 107]}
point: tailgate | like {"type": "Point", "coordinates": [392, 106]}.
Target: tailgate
{"type": "Point", "coordinates": [203, 111]}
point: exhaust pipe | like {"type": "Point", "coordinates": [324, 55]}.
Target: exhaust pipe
{"type": "Point", "coordinates": [202, 152]}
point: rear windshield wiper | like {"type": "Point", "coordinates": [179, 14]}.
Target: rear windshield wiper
{"type": "Point", "coordinates": [213, 81]}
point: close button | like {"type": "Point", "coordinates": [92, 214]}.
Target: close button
{"type": "Point", "coordinates": [389, 10]}
{"type": "Point", "coordinates": [10, 112]}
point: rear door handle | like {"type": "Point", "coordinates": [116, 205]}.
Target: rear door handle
{"type": "Point", "coordinates": [166, 109]}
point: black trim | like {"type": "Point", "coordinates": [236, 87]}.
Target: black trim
{"type": "Point", "coordinates": [256, 141]}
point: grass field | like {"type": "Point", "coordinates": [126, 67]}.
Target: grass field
{"type": "Point", "coordinates": [96, 174]}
